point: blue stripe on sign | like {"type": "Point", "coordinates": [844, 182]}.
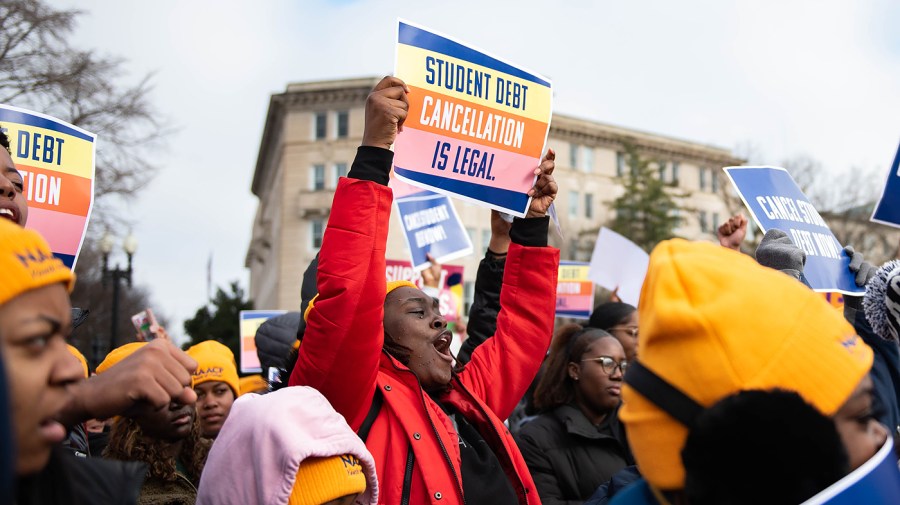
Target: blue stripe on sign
{"type": "Point", "coordinates": [14, 116]}
{"type": "Point", "coordinates": [410, 35]}
{"type": "Point", "coordinates": [67, 259]}
{"type": "Point", "coordinates": [502, 197]}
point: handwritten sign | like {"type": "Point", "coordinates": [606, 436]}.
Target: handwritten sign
{"type": "Point", "coordinates": [477, 125]}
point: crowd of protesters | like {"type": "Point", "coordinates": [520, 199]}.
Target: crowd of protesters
{"type": "Point", "coordinates": [732, 382]}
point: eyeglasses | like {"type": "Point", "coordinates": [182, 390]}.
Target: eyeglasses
{"type": "Point", "coordinates": [609, 365]}
{"type": "Point", "coordinates": [631, 330]}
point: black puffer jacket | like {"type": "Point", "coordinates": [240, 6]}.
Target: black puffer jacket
{"type": "Point", "coordinates": [569, 457]}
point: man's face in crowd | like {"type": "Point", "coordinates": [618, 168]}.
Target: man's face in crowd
{"type": "Point", "coordinates": [413, 320]}
{"type": "Point", "coordinates": [13, 205]}
{"type": "Point", "coordinates": [33, 327]}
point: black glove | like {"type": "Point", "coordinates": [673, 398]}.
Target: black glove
{"type": "Point", "coordinates": [777, 251]}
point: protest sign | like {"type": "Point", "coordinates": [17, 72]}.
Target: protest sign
{"type": "Point", "coordinates": [451, 285]}
{"type": "Point", "coordinates": [431, 225]}
{"type": "Point", "coordinates": [875, 481]}
{"type": "Point", "coordinates": [574, 290]}
{"type": "Point", "coordinates": [888, 209]}
{"type": "Point", "coordinates": [250, 321]}
{"type": "Point", "coordinates": [775, 201]}
{"type": "Point", "coordinates": [477, 125]}
{"type": "Point", "coordinates": [618, 263]}
{"type": "Point", "coordinates": [56, 160]}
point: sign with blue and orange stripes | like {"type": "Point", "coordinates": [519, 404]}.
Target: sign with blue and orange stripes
{"type": "Point", "coordinates": [56, 160]}
{"type": "Point", "coordinates": [477, 125]}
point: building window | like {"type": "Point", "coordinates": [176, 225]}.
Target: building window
{"type": "Point", "coordinates": [588, 159]}
{"type": "Point", "coordinates": [702, 178]}
{"type": "Point", "coordinates": [714, 180]}
{"type": "Point", "coordinates": [620, 164]}
{"type": "Point", "coordinates": [704, 226]}
{"type": "Point", "coordinates": [675, 174]}
{"type": "Point", "coordinates": [573, 203]}
{"type": "Point", "coordinates": [485, 239]}
{"type": "Point", "coordinates": [343, 124]}
{"type": "Point", "coordinates": [573, 249]}
{"type": "Point", "coordinates": [715, 223]}
{"type": "Point", "coordinates": [316, 231]}
{"type": "Point", "coordinates": [321, 123]}
{"type": "Point", "coordinates": [468, 295]}
{"type": "Point", "coordinates": [588, 205]}
{"type": "Point", "coordinates": [337, 171]}
{"type": "Point", "coordinates": [662, 172]}
{"type": "Point", "coordinates": [573, 156]}
{"type": "Point", "coordinates": [318, 178]}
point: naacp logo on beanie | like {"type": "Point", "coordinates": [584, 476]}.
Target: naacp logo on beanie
{"type": "Point", "coordinates": [27, 262]}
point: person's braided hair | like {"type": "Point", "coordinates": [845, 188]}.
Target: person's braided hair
{"type": "Point", "coordinates": [4, 141]}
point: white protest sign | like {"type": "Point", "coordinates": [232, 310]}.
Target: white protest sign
{"type": "Point", "coordinates": [618, 263]}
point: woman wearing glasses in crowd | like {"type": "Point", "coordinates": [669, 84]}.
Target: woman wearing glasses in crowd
{"type": "Point", "coordinates": [621, 321]}
{"type": "Point", "coordinates": [577, 443]}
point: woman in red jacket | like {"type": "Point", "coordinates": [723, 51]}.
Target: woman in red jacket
{"type": "Point", "coordinates": [383, 361]}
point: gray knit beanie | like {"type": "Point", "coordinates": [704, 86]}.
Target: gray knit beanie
{"type": "Point", "coordinates": [882, 301]}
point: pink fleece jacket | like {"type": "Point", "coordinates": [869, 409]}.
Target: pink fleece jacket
{"type": "Point", "coordinates": [255, 458]}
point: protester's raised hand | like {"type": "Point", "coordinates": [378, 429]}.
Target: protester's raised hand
{"type": "Point", "coordinates": [431, 276]}
{"type": "Point", "coordinates": [152, 377]}
{"type": "Point", "coordinates": [732, 232]}
{"type": "Point", "coordinates": [545, 188]}
{"type": "Point", "coordinates": [386, 109]}
{"type": "Point", "coordinates": [499, 233]}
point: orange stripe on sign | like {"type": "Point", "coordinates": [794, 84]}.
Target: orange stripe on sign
{"type": "Point", "coordinates": [51, 190]}
{"type": "Point", "coordinates": [449, 116]}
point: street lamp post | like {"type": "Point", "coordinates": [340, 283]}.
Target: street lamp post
{"type": "Point", "coordinates": [129, 245]}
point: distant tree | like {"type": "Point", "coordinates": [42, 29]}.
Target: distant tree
{"type": "Point", "coordinates": [647, 212]}
{"type": "Point", "coordinates": [221, 322]}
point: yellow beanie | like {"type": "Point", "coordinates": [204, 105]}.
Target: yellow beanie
{"type": "Point", "coordinates": [215, 362]}
{"type": "Point", "coordinates": [27, 262]}
{"type": "Point", "coordinates": [714, 322]}
{"type": "Point", "coordinates": [118, 354]}
{"type": "Point", "coordinates": [320, 480]}
{"type": "Point", "coordinates": [252, 384]}
{"type": "Point", "coordinates": [391, 285]}
{"type": "Point", "coordinates": [75, 352]}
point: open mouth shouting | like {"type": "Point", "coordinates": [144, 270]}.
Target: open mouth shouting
{"type": "Point", "coordinates": [442, 345]}
{"type": "Point", "coordinates": [10, 212]}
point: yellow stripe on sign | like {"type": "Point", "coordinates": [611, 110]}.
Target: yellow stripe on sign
{"type": "Point", "coordinates": [50, 150]}
{"type": "Point", "coordinates": [474, 83]}
{"type": "Point", "coordinates": [570, 273]}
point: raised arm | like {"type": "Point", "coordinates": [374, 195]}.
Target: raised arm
{"type": "Point", "coordinates": [502, 367]}
{"type": "Point", "coordinates": [344, 333]}
{"type": "Point", "coordinates": [488, 282]}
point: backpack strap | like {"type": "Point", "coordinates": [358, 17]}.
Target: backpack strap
{"type": "Point", "coordinates": [377, 402]}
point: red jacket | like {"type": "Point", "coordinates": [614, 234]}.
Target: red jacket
{"type": "Point", "coordinates": [413, 441]}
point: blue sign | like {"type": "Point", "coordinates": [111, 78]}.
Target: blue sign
{"type": "Point", "coordinates": [876, 482]}
{"type": "Point", "coordinates": [888, 209]}
{"type": "Point", "coordinates": [775, 201]}
{"type": "Point", "coordinates": [431, 226]}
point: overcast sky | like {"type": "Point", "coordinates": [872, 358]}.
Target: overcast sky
{"type": "Point", "coordinates": [818, 78]}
